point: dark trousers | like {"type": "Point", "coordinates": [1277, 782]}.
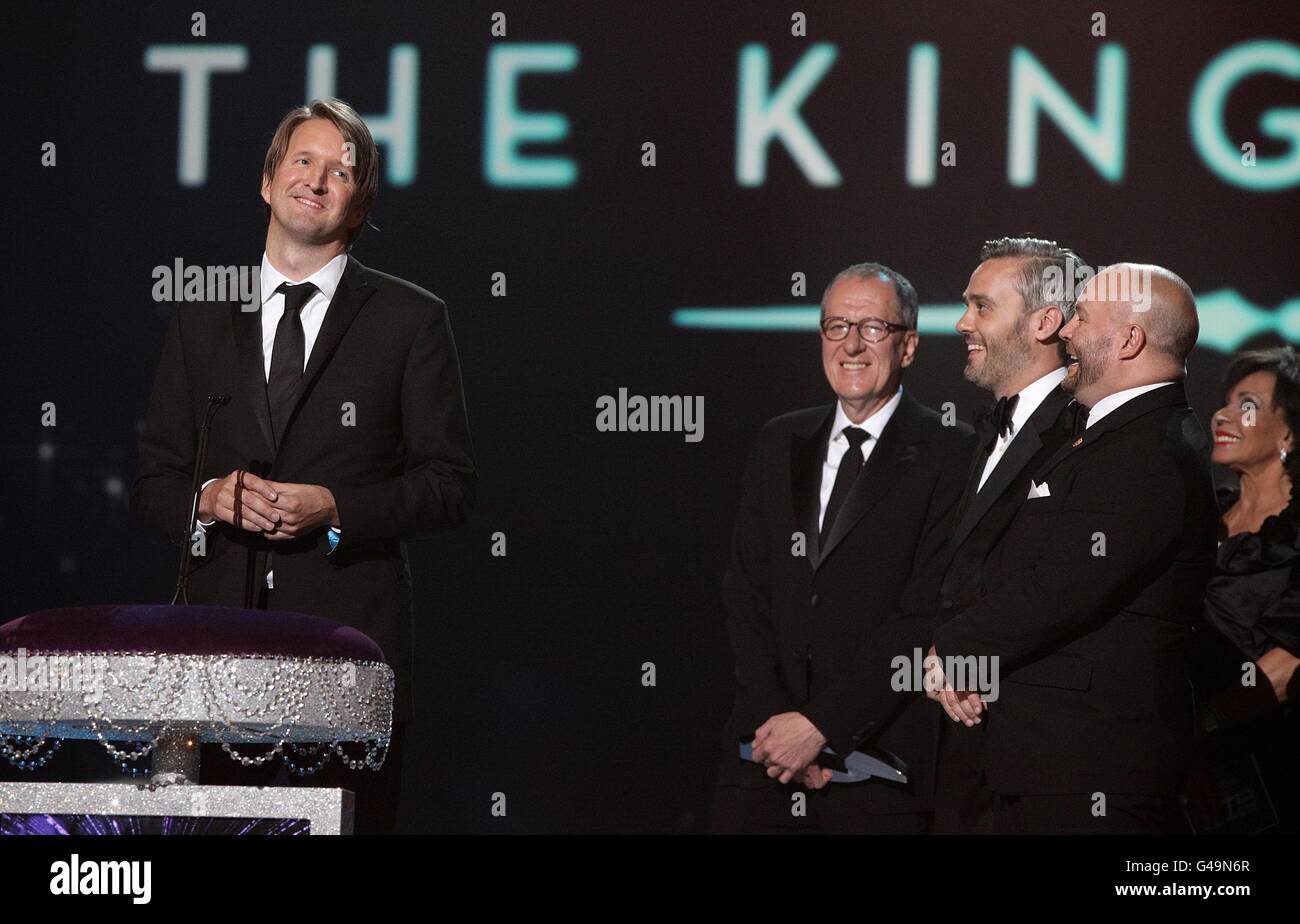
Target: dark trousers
{"type": "Point", "coordinates": [963, 801]}
{"type": "Point", "coordinates": [377, 792]}
{"type": "Point", "coordinates": [747, 801]}
{"type": "Point", "coordinates": [1073, 813]}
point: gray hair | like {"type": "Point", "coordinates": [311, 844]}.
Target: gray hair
{"type": "Point", "coordinates": [903, 290]}
{"type": "Point", "coordinates": [1039, 256]}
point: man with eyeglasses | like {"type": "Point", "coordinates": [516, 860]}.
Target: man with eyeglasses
{"type": "Point", "coordinates": [841, 507]}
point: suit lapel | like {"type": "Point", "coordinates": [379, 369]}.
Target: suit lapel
{"type": "Point", "coordinates": [353, 290]}
{"type": "Point", "coordinates": [1009, 467]}
{"type": "Point", "coordinates": [973, 476]}
{"type": "Point", "coordinates": [247, 326]}
{"type": "Point", "coordinates": [889, 460]}
{"type": "Point", "coordinates": [807, 454]}
{"type": "Point", "coordinates": [1165, 396]}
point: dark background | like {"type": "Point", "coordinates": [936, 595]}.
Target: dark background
{"type": "Point", "coordinates": [529, 666]}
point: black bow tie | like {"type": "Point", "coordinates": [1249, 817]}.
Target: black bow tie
{"type": "Point", "coordinates": [1000, 414]}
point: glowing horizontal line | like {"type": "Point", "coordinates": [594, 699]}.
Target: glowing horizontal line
{"type": "Point", "coordinates": [1227, 319]}
{"type": "Point", "coordinates": [933, 319]}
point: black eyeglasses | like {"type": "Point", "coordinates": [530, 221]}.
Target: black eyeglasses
{"type": "Point", "coordinates": [873, 330]}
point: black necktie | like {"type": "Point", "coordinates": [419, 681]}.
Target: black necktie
{"type": "Point", "coordinates": [850, 465]}
{"type": "Point", "coordinates": [287, 356]}
{"type": "Point", "coordinates": [1079, 421]}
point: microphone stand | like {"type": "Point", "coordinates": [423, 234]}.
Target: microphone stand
{"type": "Point", "coordinates": [187, 545]}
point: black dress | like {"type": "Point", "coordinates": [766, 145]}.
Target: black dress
{"type": "Point", "coordinates": [1248, 779]}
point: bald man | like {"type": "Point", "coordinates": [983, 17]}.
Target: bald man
{"type": "Point", "coordinates": [1093, 590]}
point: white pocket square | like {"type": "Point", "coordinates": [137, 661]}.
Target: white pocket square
{"type": "Point", "coordinates": [1038, 490]}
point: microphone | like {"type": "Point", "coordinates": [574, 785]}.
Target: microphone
{"type": "Point", "coordinates": [215, 401]}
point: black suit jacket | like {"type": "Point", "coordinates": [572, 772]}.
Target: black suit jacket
{"type": "Point", "coordinates": [402, 471]}
{"type": "Point", "coordinates": [985, 513]}
{"type": "Point", "coordinates": [961, 800]}
{"type": "Point", "coordinates": [1092, 592]}
{"type": "Point", "coordinates": [800, 625]}
{"type": "Point", "coordinates": [956, 579]}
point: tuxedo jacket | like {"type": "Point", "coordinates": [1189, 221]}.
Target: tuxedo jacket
{"type": "Point", "coordinates": [1088, 600]}
{"type": "Point", "coordinates": [961, 800]}
{"type": "Point", "coordinates": [985, 513]}
{"type": "Point", "coordinates": [800, 623]}
{"type": "Point", "coordinates": [957, 578]}
{"type": "Point", "coordinates": [379, 420]}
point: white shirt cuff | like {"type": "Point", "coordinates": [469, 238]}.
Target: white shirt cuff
{"type": "Point", "coordinates": [202, 525]}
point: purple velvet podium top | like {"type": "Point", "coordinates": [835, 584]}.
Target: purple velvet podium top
{"type": "Point", "coordinates": [188, 630]}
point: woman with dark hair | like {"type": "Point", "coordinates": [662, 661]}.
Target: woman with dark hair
{"type": "Point", "coordinates": [1250, 644]}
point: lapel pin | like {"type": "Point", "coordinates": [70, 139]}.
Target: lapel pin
{"type": "Point", "coordinates": [1076, 442]}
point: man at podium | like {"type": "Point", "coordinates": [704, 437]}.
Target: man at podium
{"type": "Point", "coordinates": [342, 433]}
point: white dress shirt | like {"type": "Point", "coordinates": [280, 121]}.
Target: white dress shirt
{"type": "Point", "coordinates": [1120, 398]}
{"type": "Point", "coordinates": [1031, 396]}
{"type": "Point", "coordinates": [326, 279]}
{"type": "Point", "coordinates": [839, 444]}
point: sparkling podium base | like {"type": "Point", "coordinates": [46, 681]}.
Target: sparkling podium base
{"type": "Point", "coordinates": [118, 808]}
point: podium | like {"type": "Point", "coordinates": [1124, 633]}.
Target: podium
{"type": "Point", "coordinates": [159, 681]}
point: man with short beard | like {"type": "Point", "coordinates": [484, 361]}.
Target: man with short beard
{"type": "Point", "coordinates": [1017, 301]}
{"type": "Point", "coordinates": [1096, 582]}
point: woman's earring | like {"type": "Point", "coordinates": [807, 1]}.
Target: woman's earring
{"type": "Point", "coordinates": [1284, 454]}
